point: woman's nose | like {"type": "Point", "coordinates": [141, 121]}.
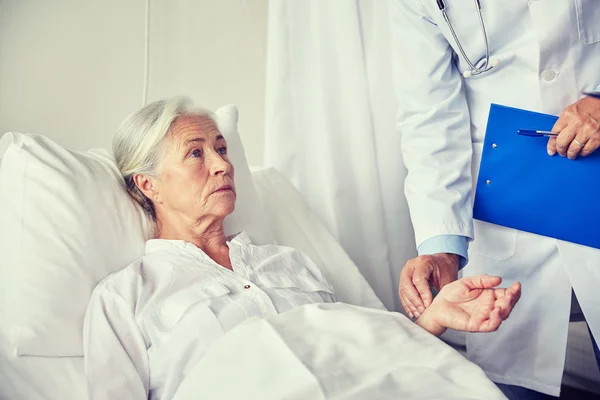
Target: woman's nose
{"type": "Point", "coordinates": [218, 165]}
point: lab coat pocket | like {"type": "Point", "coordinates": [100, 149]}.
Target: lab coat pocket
{"type": "Point", "coordinates": [588, 20]}
{"type": "Point", "coordinates": [493, 241]}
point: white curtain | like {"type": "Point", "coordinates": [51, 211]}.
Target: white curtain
{"type": "Point", "coordinates": [330, 128]}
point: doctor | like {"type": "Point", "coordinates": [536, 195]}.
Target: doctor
{"type": "Point", "coordinates": [452, 59]}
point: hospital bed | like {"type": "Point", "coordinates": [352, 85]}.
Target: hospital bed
{"type": "Point", "coordinates": [293, 224]}
{"type": "Point", "coordinates": [267, 196]}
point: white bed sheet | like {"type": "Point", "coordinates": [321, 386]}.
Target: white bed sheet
{"type": "Point", "coordinates": [334, 351]}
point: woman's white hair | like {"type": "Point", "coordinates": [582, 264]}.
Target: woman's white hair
{"type": "Point", "coordinates": [138, 146]}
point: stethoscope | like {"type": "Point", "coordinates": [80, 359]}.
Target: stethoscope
{"type": "Point", "coordinates": [484, 64]}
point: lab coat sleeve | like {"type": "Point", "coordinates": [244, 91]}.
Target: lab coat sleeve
{"type": "Point", "coordinates": [116, 362]}
{"type": "Point", "coordinates": [433, 119]}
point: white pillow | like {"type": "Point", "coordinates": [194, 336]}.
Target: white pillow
{"type": "Point", "coordinates": [249, 215]}
{"type": "Point", "coordinates": [67, 222]}
{"type": "Point", "coordinates": [295, 225]}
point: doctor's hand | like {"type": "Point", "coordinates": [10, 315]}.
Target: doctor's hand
{"type": "Point", "coordinates": [470, 304]}
{"type": "Point", "coordinates": [419, 274]}
{"type": "Point", "coordinates": [578, 129]}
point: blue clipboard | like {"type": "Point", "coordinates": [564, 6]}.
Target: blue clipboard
{"type": "Point", "coordinates": [520, 186]}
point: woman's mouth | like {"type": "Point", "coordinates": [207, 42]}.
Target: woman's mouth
{"type": "Point", "coordinates": [224, 189]}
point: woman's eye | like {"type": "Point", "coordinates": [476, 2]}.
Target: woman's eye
{"type": "Point", "coordinates": [195, 153]}
{"type": "Point", "coordinates": [222, 151]}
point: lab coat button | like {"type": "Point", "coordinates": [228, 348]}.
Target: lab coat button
{"type": "Point", "coordinates": [247, 287]}
{"type": "Point", "coordinates": [548, 75]}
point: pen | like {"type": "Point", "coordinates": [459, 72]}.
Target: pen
{"type": "Point", "coordinates": [531, 132]}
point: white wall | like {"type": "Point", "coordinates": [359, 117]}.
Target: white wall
{"type": "Point", "coordinates": [73, 69]}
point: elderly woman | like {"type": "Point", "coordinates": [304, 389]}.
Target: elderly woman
{"type": "Point", "coordinates": [148, 323]}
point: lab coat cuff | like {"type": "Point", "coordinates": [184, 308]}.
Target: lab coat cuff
{"type": "Point", "coordinates": [452, 244]}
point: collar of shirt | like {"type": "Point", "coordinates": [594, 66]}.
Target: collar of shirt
{"type": "Point", "coordinates": [160, 245]}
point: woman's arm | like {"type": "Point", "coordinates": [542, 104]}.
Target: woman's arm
{"type": "Point", "coordinates": [116, 361]}
{"type": "Point", "coordinates": [470, 304]}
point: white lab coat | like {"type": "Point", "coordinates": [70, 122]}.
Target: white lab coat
{"type": "Point", "coordinates": [549, 52]}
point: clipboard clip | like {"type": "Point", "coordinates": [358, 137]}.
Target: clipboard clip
{"type": "Point", "coordinates": [535, 133]}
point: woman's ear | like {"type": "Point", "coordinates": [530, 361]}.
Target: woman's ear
{"type": "Point", "coordinates": [148, 186]}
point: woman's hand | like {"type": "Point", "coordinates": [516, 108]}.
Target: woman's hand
{"type": "Point", "coordinates": [470, 304]}
{"type": "Point", "coordinates": [578, 129]}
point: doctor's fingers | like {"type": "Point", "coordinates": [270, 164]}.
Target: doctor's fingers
{"type": "Point", "coordinates": [409, 290]}
{"type": "Point", "coordinates": [590, 137]}
{"type": "Point", "coordinates": [551, 147]}
{"type": "Point", "coordinates": [405, 305]}
{"type": "Point", "coordinates": [421, 280]}
{"type": "Point", "coordinates": [559, 125]}
{"type": "Point", "coordinates": [576, 146]}
{"type": "Point", "coordinates": [411, 298]}
{"type": "Point", "coordinates": [410, 309]}
{"type": "Point", "coordinates": [586, 140]}
{"type": "Point", "coordinates": [564, 139]}
{"type": "Point", "coordinates": [581, 129]}
{"type": "Point", "coordinates": [590, 147]}
{"type": "Point", "coordinates": [405, 279]}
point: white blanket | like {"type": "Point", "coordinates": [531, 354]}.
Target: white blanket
{"type": "Point", "coordinates": [334, 351]}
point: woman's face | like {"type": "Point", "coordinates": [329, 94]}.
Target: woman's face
{"type": "Point", "coordinates": [196, 177]}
